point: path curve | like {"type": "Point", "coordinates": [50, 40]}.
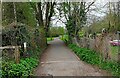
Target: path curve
{"type": "Point", "coordinates": [59, 60]}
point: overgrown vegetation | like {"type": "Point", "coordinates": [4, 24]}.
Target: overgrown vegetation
{"type": "Point", "coordinates": [23, 22]}
{"type": "Point", "coordinates": [56, 31]}
{"type": "Point", "coordinates": [64, 38]}
{"type": "Point", "coordinates": [16, 35]}
{"type": "Point", "coordinates": [24, 69]}
{"type": "Point", "coordinates": [114, 52]}
{"type": "Point", "coordinates": [94, 58]}
{"type": "Point", "coordinates": [30, 22]}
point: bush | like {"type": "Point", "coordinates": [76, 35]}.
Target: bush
{"type": "Point", "coordinates": [64, 38]}
{"type": "Point", "coordinates": [12, 35]}
{"type": "Point", "coordinates": [24, 68]}
{"type": "Point", "coordinates": [94, 58]}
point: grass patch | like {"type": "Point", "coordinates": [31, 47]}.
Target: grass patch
{"type": "Point", "coordinates": [94, 58]}
{"type": "Point", "coordinates": [114, 52]}
{"type": "Point", "coordinates": [50, 39]}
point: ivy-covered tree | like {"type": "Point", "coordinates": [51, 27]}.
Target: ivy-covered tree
{"type": "Point", "coordinates": [75, 15]}
{"type": "Point", "coordinates": [44, 23]}
{"type": "Point", "coordinates": [56, 31]}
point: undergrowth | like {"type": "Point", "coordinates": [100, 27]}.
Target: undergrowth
{"type": "Point", "coordinates": [94, 58]}
{"type": "Point", "coordinates": [24, 69]}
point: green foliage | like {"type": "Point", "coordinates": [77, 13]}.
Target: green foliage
{"type": "Point", "coordinates": [85, 54]}
{"type": "Point", "coordinates": [110, 22]}
{"type": "Point", "coordinates": [17, 31]}
{"type": "Point", "coordinates": [18, 35]}
{"type": "Point", "coordinates": [7, 13]}
{"type": "Point", "coordinates": [56, 31]}
{"type": "Point", "coordinates": [24, 68]}
{"type": "Point", "coordinates": [25, 14]}
{"type": "Point", "coordinates": [94, 58]}
{"type": "Point", "coordinates": [15, 35]}
{"type": "Point", "coordinates": [114, 52]}
{"type": "Point", "coordinates": [50, 39]}
{"type": "Point", "coordinates": [81, 34]}
{"type": "Point", "coordinates": [76, 18]}
{"type": "Point", "coordinates": [64, 38]}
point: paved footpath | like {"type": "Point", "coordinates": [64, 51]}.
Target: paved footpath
{"type": "Point", "coordinates": [59, 60]}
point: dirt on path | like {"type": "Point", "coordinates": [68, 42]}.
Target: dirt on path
{"type": "Point", "coordinates": [59, 60]}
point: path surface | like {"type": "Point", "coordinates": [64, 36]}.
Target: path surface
{"type": "Point", "coordinates": [59, 60]}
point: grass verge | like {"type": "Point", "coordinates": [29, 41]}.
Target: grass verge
{"type": "Point", "coordinates": [114, 52]}
{"type": "Point", "coordinates": [94, 58]}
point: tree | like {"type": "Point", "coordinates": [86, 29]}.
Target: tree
{"type": "Point", "coordinates": [75, 15]}
{"type": "Point", "coordinates": [56, 31]}
{"type": "Point", "coordinates": [18, 19]}
{"type": "Point", "coordinates": [109, 21]}
{"type": "Point", "coordinates": [7, 13]}
{"type": "Point", "coordinates": [44, 24]}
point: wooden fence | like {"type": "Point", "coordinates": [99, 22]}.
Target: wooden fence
{"type": "Point", "coordinates": [16, 52]}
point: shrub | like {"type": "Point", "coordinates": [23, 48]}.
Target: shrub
{"type": "Point", "coordinates": [64, 38]}
{"type": "Point", "coordinates": [12, 35]}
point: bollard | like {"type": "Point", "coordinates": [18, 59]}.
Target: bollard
{"type": "Point", "coordinates": [25, 47]}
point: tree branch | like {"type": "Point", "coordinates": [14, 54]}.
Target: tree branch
{"type": "Point", "coordinates": [89, 7]}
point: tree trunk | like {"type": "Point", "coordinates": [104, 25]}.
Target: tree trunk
{"type": "Point", "coordinates": [49, 14]}
{"type": "Point", "coordinates": [15, 14]}
{"type": "Point", "coordinates": [42, 38]}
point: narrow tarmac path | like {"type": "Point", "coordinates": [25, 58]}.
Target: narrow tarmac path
{"type": "Point", "coordinates": [59, 60]}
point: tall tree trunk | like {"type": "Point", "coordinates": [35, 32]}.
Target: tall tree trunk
{"type": "Point", "coordinates": [49, 14]}
{"type": "Point", "coordinates": [69, 38]}
{"type": "Point", "coordinates": [42, 39]}
{"type": "Point", "coordinates": [15, 23]}
{"type": "Point", "coordinates": [46, 17]}
{"type": "Point", "coordinates": [15, 14]}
